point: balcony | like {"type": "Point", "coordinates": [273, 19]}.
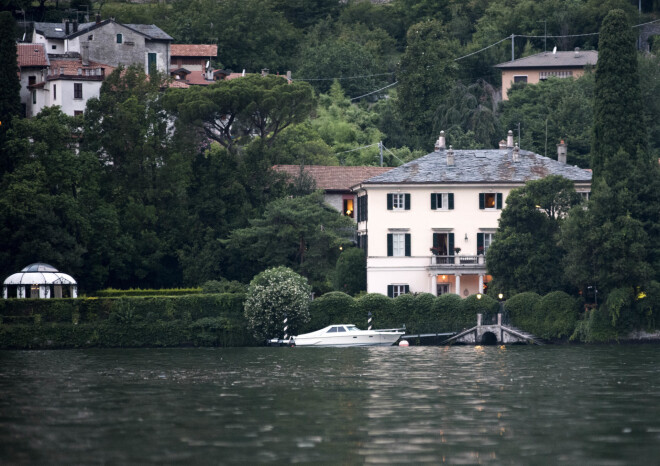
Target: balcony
{"type": "Point", "coordinates": [458, 262]}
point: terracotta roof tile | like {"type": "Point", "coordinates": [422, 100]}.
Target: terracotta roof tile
{"type": "Point", "coordinates": [31, 55]}
{"type": "Point", "coordinates": [193, 50]}
{"type": "Point", "coordinates": [334, 178]}
{"type": "Point", "coordinates": [69, 67]}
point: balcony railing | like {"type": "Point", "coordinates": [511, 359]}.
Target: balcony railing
{"type": "Point", "coordinates": [459, 261]}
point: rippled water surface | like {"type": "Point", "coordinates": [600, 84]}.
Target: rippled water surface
{"type": "Point", "coordinates": [460, 405]}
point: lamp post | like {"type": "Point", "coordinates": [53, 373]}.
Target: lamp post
{"type": "Point", "coordinates": [500, 298]}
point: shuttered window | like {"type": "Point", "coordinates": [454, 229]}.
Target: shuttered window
{"type": "Point", "coordinates": [397, 290]}
{"type": "Point", "coordinates": [490, 201]}
{"type": "Point", "coordinates": [442, 201]}
{"type": "Point", "coordinates": [398, 201]}
{"type": "Point", "coordinates": [398, 244]}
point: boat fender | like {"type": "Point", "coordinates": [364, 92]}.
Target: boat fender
{"type": "Point", "coordinates": [404, 343]}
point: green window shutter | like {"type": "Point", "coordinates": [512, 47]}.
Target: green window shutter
{"type": "Point", "coordinates": [480, 243]}
{"type": "Point", "coordinates": [389, 202]}
{"type": "Point", "coordinates": [407, 244]}
{"type": "Point", "coordinates": [482, 200]}
{"type": "Point", "coordinates": [499, 200]}
{"type": "Point", "coordinates": [390, 291]}
{"type": "Point", "coordinates": [436, 240]}
{"type": "Point", "coordinates": [390, 246]}
{"type": "Point", "coordinates": [406, 288]}
{"type": "Point", "coordinates": [451, 244]}
{"type": "Point", "coordinates": [434, 199]}
{"type": "Point", "coordinates": [451, 201]}
{"type": "Point", "coordinates": [407, 200]}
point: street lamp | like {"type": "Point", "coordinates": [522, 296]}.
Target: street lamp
{"type": "Point", "coordinates": [500, 298]}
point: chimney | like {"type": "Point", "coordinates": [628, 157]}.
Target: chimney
{"type": "Point", "coordinates": [440, 143]}
{"type": "Point", "coordinates": [450, 157]}
{"type": "Point", "coordinates": [502, 144]}
{"type": "Point", "coordinates": [98, 19]}
{"type": "Point", "coordinates": [264, 72]}
{"type": "Point", "coordinates": [577, 52]}
{"type": "Point", "coordinates": [516, 154]}
{"type": "Point", "coordinates": [509, 139]}
{"type": "Point", "coordinates": [84, 53]}
{"type": "Point", "coordinates": [75, 25]}
{"type": "Point", "coordinates": [66, 27]}
{"type": "Point", "coordinates": [562, 152]}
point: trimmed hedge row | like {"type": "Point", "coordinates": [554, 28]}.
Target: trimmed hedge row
{"type": "Point", "coordinates": [112, 293]}
{"type": "Point", "coordinates": [423, 313]}
{"type": "Point", "coordinates": [200, 320]}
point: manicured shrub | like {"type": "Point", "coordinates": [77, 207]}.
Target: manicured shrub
{"type": "Point", "coordinates": [112, 293]}
{"type": "Point", "coordinates": [272, 294]}
{"type": "Point", "coordinates": [333, 308]}
{"type": "Point", "coordinates": [404, 311]}
{"type": "Point", "coordinates": [559, 312]}
{"type": "Point", "coordinates": [447, 312]}
{"type": "Point", "coordinates": [423, 317]}
{"type": "Point", "coordinates": [381, 308]}
{"type": "Point", "coordinates": [473, 305]}
{"type": "Point", "coordinates": [223, 286]}
{"type": "Point", "coordinates": [350, 275]}
{"type": "Point", "coordinates": [520, 310]}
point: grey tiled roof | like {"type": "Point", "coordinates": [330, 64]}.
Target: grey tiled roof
{"type": "Point", "coordinates": [554, 60]}
{"type": "Point", "coordinates": [58, 30]}
{"type": "Point", "coordinates": [479, 166]}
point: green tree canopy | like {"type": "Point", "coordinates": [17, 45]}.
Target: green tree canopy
{"type": "Point", "coordinates": [272, 295]}
{"type": "Point", "coordinates": [351, 272]}
{"type": "Point", "coordinates": [10, 102]}
{"type": "Point", "coordinates": [525, 255]}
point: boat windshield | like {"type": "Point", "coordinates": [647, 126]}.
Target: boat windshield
{"type": "Point", "coordinates": [336, 329]}
{"type": "Point", "coordinates": [352, 328]}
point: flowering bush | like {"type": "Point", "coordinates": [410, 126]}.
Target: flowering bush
{"type": "Point", "coordinates": [272, 294]}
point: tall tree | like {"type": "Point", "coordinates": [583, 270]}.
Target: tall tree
{"type": "Point", "coordinates": [10, 99]}
{"type": "Point", "coordinates": [618, 101]}
{"type": "Point", "coordinates": [427, 72]}
{"type": "Point", "coordinates": [525, 253]}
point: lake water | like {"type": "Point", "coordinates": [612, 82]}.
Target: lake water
{"type": "Point", "coordinates": [569, 405]}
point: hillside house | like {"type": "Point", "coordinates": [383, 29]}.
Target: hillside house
{"type": "Point", "coordinates": [32, 62]}
{"type": "Point", "coordinates": [426, 225]}
{"type": "Point", "coordinates": [541, 66]}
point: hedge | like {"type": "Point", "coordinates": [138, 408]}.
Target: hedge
{"type": "Point", "coordinates": [112, 293]}
{"type": "Point", "coordinates": [202, 320]}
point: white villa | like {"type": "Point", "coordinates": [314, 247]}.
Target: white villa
{"type": "Point", "coordinates": [426, 225]}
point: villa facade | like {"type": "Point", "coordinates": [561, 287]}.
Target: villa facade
{"type": "Point", "coordinates": [426, 225]}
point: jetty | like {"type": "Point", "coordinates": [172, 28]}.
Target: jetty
{"type": "Point", "coordinates": [492, 334]}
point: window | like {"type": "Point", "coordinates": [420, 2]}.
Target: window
{"type": "Point", "coordinates": [151, 63]}
{"type": "Point", "coordinates": [397, 290]}
{"type": "Point", "coordinates": [120, 38]}
{"type": "Point", "coordinates": [520, 79]}
{"type": "Point", "coordinates": [362, 209]}
{"type": "Point", "coordinates": [77, 91]}
{"type": "Point", "coordinates": [34, 97]}
{"type": "Point", "coordinates": [398, 244]}
{"type": "Point", "coordinates": [490, 200]}
{"type": "Point", "coordinates": [557, 74]}
{"type": "Point", "coordinates": [348, 208]}
{"type": "Point", "coordinates": [32, 80]}
{"type": "Point", "coordinates": [54, 91]}
{"type": "Point", "coordinates": [54, 47]}
{"type": "Point", "coordinates": [363, 243]}
{"type": "Point", "coordinates": [77, 112]}
{"type": "Point", "coordinates": [90, 37]}
{"type": "Point", "coordinates": [398, 201]}
{"type": "Point", "coordinates": [442, 201]}
{"type": "Point", "coordinates": [484, 240]}
{"type": "Point", "coordinates": [442, 288]}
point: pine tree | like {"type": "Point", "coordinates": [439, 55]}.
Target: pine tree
{"type": "Point", "coordinates": [10, 100]}
{"type": "Point", "coordinates": [618, 101]}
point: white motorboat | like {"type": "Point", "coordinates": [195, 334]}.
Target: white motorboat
{"type": "Point", "coordinates": [348, 335]}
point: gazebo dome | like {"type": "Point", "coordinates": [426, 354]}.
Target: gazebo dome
{"type": "Point", "coordinates": [39, 280]}
{"type": "Point", "coordinates": [40, 274]}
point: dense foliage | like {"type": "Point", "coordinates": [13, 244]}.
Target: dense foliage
{"type": "Point", "coordinates": [273, 295]}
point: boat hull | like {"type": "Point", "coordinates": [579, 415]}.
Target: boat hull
{"type": "Point", "coordinates": [362, 338]}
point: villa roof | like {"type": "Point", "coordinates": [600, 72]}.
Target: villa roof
{"type": "Point", "coordinates": [39, 274]}
{"type": "Point", "coordinates": [479, 166]}
{"type": "Point", "coordinates": [58, 30]}
{"type": "Point", "coordinates": [193, 50]}
{"type": "Point", "coordinates": [577, 59]}
{"type": "Point", "coordinates": [333, 178]}
{"type": "Point", "coordinates": [31, 55]}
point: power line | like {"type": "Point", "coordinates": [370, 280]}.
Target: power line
{"type": "Point", "coordinates": [357, 148]}
{"type": "Point", "coordinates": [346, 77]}
{"type": "Point", "coordinates": [485, 48]}
{"type": "Point", "coordinates": [377, 90]}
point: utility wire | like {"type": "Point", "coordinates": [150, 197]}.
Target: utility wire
{"type": "Point", "coordinates": [346, 77]}
{"type": "Point", "coordinates": [377, 90]}
{"type": "Point", "coordinates": [357, 148]}
{"type": "Point", "coordinates": [485, 48]}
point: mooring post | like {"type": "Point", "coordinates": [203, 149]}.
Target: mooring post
{"type": "Point", "coordinates": [479, 320]}
{"type": "Point", "coordinates": [499, 319]}
{"type": "Point", "coordinates": [286, 327]}
{"type": "Point", "coordinates": [369, 320]}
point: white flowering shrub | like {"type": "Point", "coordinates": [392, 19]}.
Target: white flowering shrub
{"type": "Point", "coordinates": [272, 294]}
